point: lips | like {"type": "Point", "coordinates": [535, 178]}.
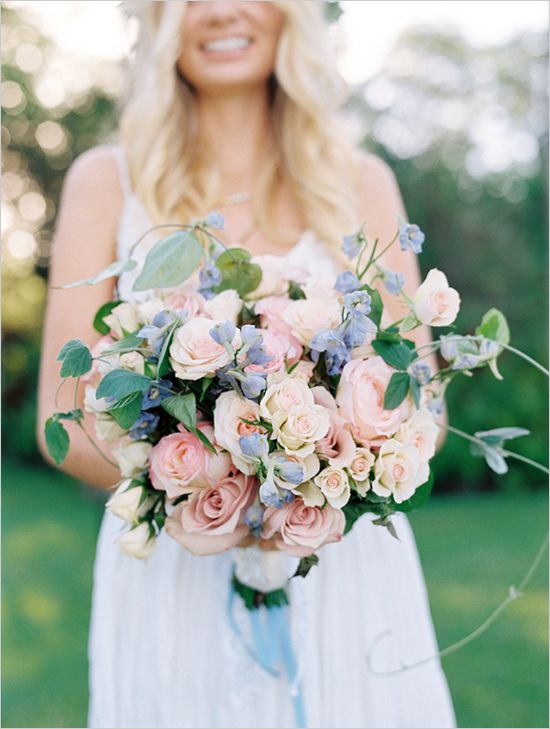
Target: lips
{"type": "Point", "coordinates": [229, 43]}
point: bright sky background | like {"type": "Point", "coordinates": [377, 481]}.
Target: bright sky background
{"type": "Point", "coordinates": [93, 28]}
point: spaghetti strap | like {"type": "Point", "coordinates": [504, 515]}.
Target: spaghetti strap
{"type": "Point", "coordinates": [124, 173]}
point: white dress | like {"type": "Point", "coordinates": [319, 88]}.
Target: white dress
{"type": "Point", "coordinates": [162, 652]}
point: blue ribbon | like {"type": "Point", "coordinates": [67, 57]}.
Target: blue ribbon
{"type": "Point", "coordinates": [272, 645]}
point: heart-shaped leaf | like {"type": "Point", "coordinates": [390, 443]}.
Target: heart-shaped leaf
{"type": "Point", "coordinates": [170, 261]}
{"type": "Point", "coordinates": [57, 440]}
{"type": "Point", "coordinates": [119, 383]}
{"type": "Point", "coordinates": [396, 391]}
{"type": "Point", "coordinates": [238, 272]}
{"type": "Point", "coordinates": [396, 354]}
{"type": "Point", "coordinates": [76, 358]}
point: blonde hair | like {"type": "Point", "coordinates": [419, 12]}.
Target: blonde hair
{"type": "Point", "coordinates": [312, 153]}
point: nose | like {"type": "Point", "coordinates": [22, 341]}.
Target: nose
{"type": "Point", "coordinates": [221, 12]}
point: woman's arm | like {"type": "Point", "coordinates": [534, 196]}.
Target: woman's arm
{"type": "Point", "coordinates": [84, 244]}
{"type": "Point", "coordinates": [380, 205]}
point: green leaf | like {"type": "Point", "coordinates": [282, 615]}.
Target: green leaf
{"type": "Point", "coordinates": [164, 355]}
{"type": "Point", "coordinates": [75, 415]}
{"type": "Point", "coordinates": [494, 326]}
{"type": "Point", "coordinates": [497, 436]}
{"type": "Point", "coordinates": [119, 383]}
{"type": "Point", "coordinates": [183, 408]}
{"type": "Point", "coordinates": [126, 344]}
{"type": "Point", "coordinates": [103, 311]}
{"type": "Point", "coordinates": [127, 410]}
{"type": "Point", "coordinates": [115, 269]}
{"type": "Point", "coordinates": [238, 272]}
{"type": "Point", "coordinates": [205, 441]}
{"type": "Point", "coordinates": [170, 261]}
{"type": "Point", "coordinates": [396, 354]}
{"type": "Point", "coordinates": [415, 391]}
{"type": "Point", "coordinates": [57, 439]}
{"type": "Point", "coordinates": [396, 391]}
{"type": "Point", "coordinates": [76, 358]}
{"type": "Point", "coordinates": [419, 498]}
{"type": "Point", "coordinates": [376, 305]}
{"type": "Point", "coordinates": [305, 564]}
{"type": "Point", "coordinates": [353, 510]}
{"type": "Point", "coordinates": [205, 384]}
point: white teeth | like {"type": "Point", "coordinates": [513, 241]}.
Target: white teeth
{"type": "Point", "coordinates": [227, 44]}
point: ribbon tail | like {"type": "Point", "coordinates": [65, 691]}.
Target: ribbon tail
{"type": "Point", "coordinates": [282, 631]}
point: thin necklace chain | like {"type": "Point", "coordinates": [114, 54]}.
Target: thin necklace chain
{"type": "Point", "coordinates": [238, 198]}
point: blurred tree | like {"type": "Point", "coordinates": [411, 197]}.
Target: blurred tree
{"type": "Point", "coordinates": [465, 130]}
{"type": "Point", "coordinates": [54, 108]}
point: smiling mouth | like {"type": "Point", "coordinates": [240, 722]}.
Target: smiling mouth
{"type": "Point", "coordinates": [233, 43]}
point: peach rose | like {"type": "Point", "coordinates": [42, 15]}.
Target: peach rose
{"type": "Point", "coordinates": [276, 275]}
{"type": "Point", "coordinates": [210, 521]}
{"type": "Point", "coordinates": [176, 462]}
{"type": "Point", "coordinates": [271, 311]}
{"type": "Point", "coordinates": [360, 397]}
{"type": "Point", "coordinates": [307, 316]}
{"type": "Point", "coordinates": [186, 298]}
{"type": "Point", "coordinates": [338, 446]}
{"type": "Point", "coordinates": [435, 302]}
{"type": "Point", "coordinates": [302, 529]}
{"type": "Point", "coordinates": [193, 352]}
{"type": "Point", "coordinates": [229, 426]}
{"type": "Point", "coordinates": [420, 431]}
{"type": "Point", "coordinates": [281, 349]}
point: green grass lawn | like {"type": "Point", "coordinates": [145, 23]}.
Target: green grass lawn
{"type": "Point", "coordinates": [472, 549]}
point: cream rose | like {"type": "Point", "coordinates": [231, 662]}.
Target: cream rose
{"type": "Point", "coordinates": [435, 302]}
{"type": "Point", "coordinates": [301, 529]}
{"type": "Point", "coordinates": [193, 352]}
{"type": "Point", "coordinates": [225, 305]}
{"type": "Point", "coordinates": [298, 429]}
{"type": "Point", "coordinates": [284, 392]}
{"type": "Point", "coordinates": [132, 456]}
{"type": "Point", "coordinates": [93, 404]}
{"type": "Point", "coordinates": [107, 428]}
{"type": "Point", "coordinates": [133, 361]}
{"type": "Point", "coordinates": [276, 274]}
{"type": "Point", "coordinates": [334, 484]}
{"type": "Point", "coordinates": [306, 317]}
{"type": "Point", "coordinates": [123, 319]}
{"type": "Point", "coordinates": [360, 468]}
{"type": "Point", "coordinates": [210, 521]}
{"type": "Point", "coordinates": [129, 502]}
{"type": "Point", "coordinates": [420, 431]}
{"type": "Point", "coordinates": [138, 542]}
{"type": "Point", "coordinates": [360, 397]}
{"type": "Point", "coordinates": [398, 471]}
{"type": "Point", "coordinates": [229, 415]}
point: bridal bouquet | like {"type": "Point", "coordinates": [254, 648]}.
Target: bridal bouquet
{"type": "Point", "coordinates": [250, 406]}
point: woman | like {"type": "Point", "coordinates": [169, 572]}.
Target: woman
{"type": "Point", "coordinates": [232, 107]}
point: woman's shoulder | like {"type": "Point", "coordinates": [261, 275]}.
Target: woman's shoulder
{"type": "Point", "coordinates": [97, 169]}
{"type": "Point", "coordinates": [379, 197]}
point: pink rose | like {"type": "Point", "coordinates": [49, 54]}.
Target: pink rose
{"type": "Point", "coordinates": [283, 350]}
{"type": "Point", "coordinates": [302, 529]}
{"type": "Point", "coordinates": [210, 521]}
{"type": "Point", "coordinates": [338, 446]}
{"type": "Point", "coordinates": [360, 397]}
{"type": "Point", "coordinates": [180, 463]}
{"type": "Point", "coordinates": [188, 299]}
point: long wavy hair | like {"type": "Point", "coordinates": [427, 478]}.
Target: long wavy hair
{"type": "Point", "coordinates": [313, 152]}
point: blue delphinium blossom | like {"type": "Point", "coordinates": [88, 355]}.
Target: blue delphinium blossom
{"type": "Point", "coordinates": [393, 281]}
{"type": "Point", "coordinates": [411, 238]}
{"type": "Point", "coordinates": [223, 332]}
{"type": "Point", "coordinates": [254, 445]}
{"type": "Point", "coordinates": [332, 343]}
{"type": "Point", "coordinates": [156, 331]}
{"type": "Point", "coordinates": [144, 426]}
{"type": "Point", "coordinates": [421, 373]}
{"type": "Point", "coordinates": [252, 385]}
{"type": "Point", "coordinates": [253, 518]}
{"type": "Point", "coordinates": [269, 494]}
{"type": "Point", "coordinates": [215, 219]}
{"type": "Point", "coordinates": [351, 245]}
{"type": "Point", "coordinates": [288, 471]}
{"type": "Point", "coordinates": [357, 303]}
{"type": "Point", "coordinates": [253, 346]}
{"type": "Point", "coordinates": [209, 277]}
{"type": "Point", "coordinates": [157, 392]}
{"type": "Point", "coordinates": [347, 282]}
{"type": "Point", "coordinates": [356, 329]}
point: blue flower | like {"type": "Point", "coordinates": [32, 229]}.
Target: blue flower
{"type": "Point", "coordinates": [356, 328]}
{"type": "Point", "coordinates": [288, 471]}
{"type": "Point", "coordinates": [209, 277]}
{"type": "Point", "coordinates": [253, 518]}
{"type": "Point", "coordinates": [157, 392]}
{"type": "Point", "coordinates": [421, 373]}
{"type": "Point", "coordinates": [254, 445]}
{"type": "Point", "coordinates": [393, 281]}
{"type": "Point", "coordinates": [347, 282]}
{"type": "Point", "coordinates": [351, 245]}
{"type": "Point", "coordinates": [269, 494]}
{"type": "Point", "coordinates": [357, 303]}
{"type": "Point", "coordinates": [411, 238]}
{"type": "Point", "coordinates": [253, 346]}
{"type": "Point", "coordinates": [332, 343]}
{"type": "Point", "coordinates": [156, 332]}
{"type": "Point", "coordinates": [144, 426]}
{"type": "Point", "coordinates": [223, 332]}
{"type": "Point", "coordinates": [252, 385]}
{"type": "Point", "coordinates": [215, 219]}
